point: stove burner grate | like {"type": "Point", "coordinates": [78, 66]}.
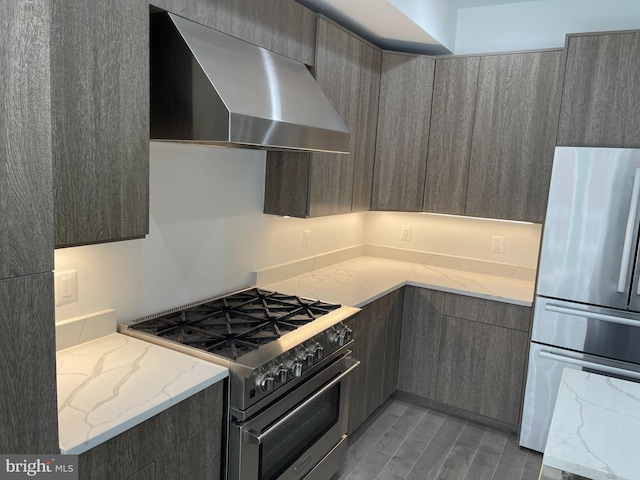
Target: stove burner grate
{"type": "Point", "coordinates": [237, 324]}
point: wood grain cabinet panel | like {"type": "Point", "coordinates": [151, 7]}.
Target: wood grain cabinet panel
{"type": "Point", "coordinates": [338, 73]}
{"type": "Point", "coordinates": [420, 344]}
{"type": "Point", "coordinates": [364, 153]}
{"type": "Point", "coordinates": [406, 86]}
{"type": "Point", "coordinates": [376, 331]}
{"type": "Point", "coordinates": [601, 92]}
{"type": "Point", "coordinates": [26, 195]}
{"type": "Point", "coordinates": [482, 369]}
{"type": "Point", "coordinates": [318, 184]}
{"type": "Point", "coordinates": [28, 407]}
{"type": "Point", "coordinates": [184, 441]}
{"type": "Point", "coordinates": [100, 111]}
{"type": "Point", "coordinates": [452, 115]}
{"type": "Point", "coordinates": [516, 317]}
{"type": "Point", "coordinates": [514, 135]}
{"type": "Point", "coordinates": [282, 26]}
{"type": "Point", "coordinates": [464, 352]}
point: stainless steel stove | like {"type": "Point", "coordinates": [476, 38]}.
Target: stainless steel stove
{"type": "Point", "coordinates": [288, 359]}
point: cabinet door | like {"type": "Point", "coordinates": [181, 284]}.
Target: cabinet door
{"type": "Point", "coordinates": [315, 184]}
{"type": "Point", "coordinates": [26, 195]}
{"type": "Point", "coordinates": [390, 308]}
{"type": "Point", "coordinates": [514, 135]}
{"type": "Point", "coordinates": [406, 86]}
{"type": "Point", "coordinates": [420, 342]}
{"type": "Point", "coordinates": [192, 429]}
{"type": "Point", "coordinates": [100, 110]}
{"type": "Point", "coordinates": [338, 72]}
{"type": "Point", "coordinates": [482, 368]}
{"type": "Point", "coordinates": [376, 331]}
{"type": "Point", "coordinates": [283, 26]}
{"type": "Point", "coordinates": [454, 101]}
{"type": "Point", "coordinates": [601, 92]}
{"type": "Point", "coordinates": [363, 156]}
{"type": "Point", "coordinates": [28, 407]}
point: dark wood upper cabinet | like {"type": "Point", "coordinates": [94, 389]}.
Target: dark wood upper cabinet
{"type": "Point", "coordinates": [402, 140]}
{"type": "Point", "coordinates": [282, 26]}
{"type": "Point", "coordinates": [26, 195]}
{"type": "Point", "coordinates": [601, 92]}
{"type": "Point", "coordinates": [365, 146]}
{"type": "Point", "coordinates": [100, 111]}
{"type": "Point", "coordinates": [514, 134]}
{"type": "Point", "coordinates": [317, 184]}
{"type": "Point", "coordinates": [452, 114]}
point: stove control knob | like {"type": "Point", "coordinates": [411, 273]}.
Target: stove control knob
{"type": "Point", "coordinates": [265, 382]}
{"type": "Point", "coordinates": [318, 351]}
{"type": "Point", "coordinates": [296, 369]}
{"type": "Point", "coordinates": [348, 334]}
{"type": "Point", "coordinates": [280, 373]}
{"type": "Point", "coordinates": [305, 355]}
{"type": "Point", "coordinates": [337, 337]}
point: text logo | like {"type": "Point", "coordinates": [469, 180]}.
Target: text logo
{"type": "Point", "coordinates": [50, 467]}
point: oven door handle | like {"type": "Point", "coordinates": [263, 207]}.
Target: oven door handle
{"type": "Point", "coordinates": [586, 364]}
{"type": "Point", "coordinates": [257, 439]}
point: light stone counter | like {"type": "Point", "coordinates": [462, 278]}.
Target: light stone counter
{"type": "Point", "coordinates": [364, 279]}
{"type": "Point", "coordinates": [112, 383]}
{"type": "Point", "coordinates": [595, 425]}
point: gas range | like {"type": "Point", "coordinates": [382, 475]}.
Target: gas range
{"type": "Point", "coordinates": [270, 341]}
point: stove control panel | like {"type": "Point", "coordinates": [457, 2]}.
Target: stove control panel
{"type": "Point", "coordinates": [294, 363]}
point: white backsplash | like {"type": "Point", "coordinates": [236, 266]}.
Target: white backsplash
{"type": "Point", "coordinates": [208, 235]}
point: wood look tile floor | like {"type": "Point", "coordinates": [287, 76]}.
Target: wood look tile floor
{"type": "Point", "coordinates": [414, 443]}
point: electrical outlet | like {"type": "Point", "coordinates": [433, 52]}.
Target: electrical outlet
{"type": "Point", "coordinates": [497, 244]}
{"type": "Point", "coordinates": [66, 287]}
{"type": "Point", "coordinates": [405, 232]}
{"type": "Point", "coordinates": [306, 239]}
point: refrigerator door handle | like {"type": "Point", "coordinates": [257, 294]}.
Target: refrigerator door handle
{"type": "Point", "coordinates": [593, 366]}
{"type": "Point", "coordinates": [550, 307]}
{"type": "Point", "coordinates": [628, 235]}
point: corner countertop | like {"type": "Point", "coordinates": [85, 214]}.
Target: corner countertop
{"type": "Point", "coordinates": [361, 280]}
{"type": "Point", "coordinates": [595, 427]}
{"type": "Point", "coordinates": [110, 384]}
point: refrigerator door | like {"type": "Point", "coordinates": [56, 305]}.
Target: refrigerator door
{"type": "Point", "coordinates": [591, 228]}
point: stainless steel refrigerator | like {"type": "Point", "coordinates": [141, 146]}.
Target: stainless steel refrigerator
{"type": "Point", "coordinates": [588, 287]}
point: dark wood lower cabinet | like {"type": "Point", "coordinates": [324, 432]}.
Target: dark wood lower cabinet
{"type": "Point", "coordinates": [464, 352]}
{"type": "Point", "coordinates": [183, 442]}
{"type": "Point", "coordinates": [481, 368]}
{"type": "Point", "coordinates": [376, 330]}
{"type": "Point", "coordinates": [28, 411]}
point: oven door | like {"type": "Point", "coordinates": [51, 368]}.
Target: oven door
{"type": "Point", "coordinates": [298, 433]}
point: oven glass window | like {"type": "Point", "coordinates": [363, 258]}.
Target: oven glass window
{"type": "Point", "coordinates": [283, 448]}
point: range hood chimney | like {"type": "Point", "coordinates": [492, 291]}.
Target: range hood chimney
{"type": "Point", "coordinates": [210, 88]}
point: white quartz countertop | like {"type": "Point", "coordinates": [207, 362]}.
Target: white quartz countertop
{"type": "Point", "coordinates": [363, 279]}
{"type": "Point", "coordinates": [595, 425]}
{"type": "Point", "coordinates": [111, 384]}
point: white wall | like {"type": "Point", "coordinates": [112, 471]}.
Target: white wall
{"type": "Point", "coordinates": [539, 24]}
{"type": "Point", "coordinates": [458, 236]}
{"type": "Point", "coordinates": [207, 236]}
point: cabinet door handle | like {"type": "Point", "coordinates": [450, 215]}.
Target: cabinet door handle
{"type": "Point", "coordinates": [549, 307]}
{"type": "Point", "coordinates": [591, 365]}
{"type": "Point", "coordinates": [628, 235]}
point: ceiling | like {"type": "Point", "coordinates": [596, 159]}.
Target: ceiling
{"type": "Point", "coordinates": [417, 26]}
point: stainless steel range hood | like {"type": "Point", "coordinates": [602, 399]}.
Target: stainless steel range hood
{"type": "Point", "coordinates": [208, 87]}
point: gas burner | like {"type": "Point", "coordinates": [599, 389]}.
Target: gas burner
{"type": "Point", "coordinates": [237, 324]}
